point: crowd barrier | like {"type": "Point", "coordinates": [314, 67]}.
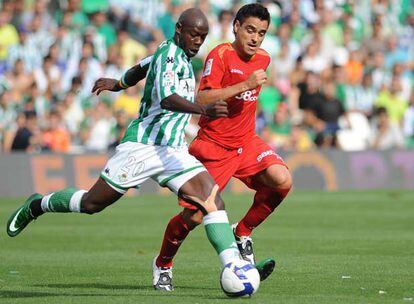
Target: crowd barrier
{"type": "Point", "coordinates": [23, 174]}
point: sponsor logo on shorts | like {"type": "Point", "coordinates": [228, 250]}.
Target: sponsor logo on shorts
{"type": "Point", "coordinates": [266, 153]}
{"type": "Point", "coordinates": [248, 95]}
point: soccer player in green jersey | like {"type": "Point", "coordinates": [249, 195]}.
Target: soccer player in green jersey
{"type": "Point", "coordinates": [154, 147]}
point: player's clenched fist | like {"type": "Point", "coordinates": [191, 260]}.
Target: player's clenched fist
{"type": "Point", "coordinates": [257, 78]}
{"type": "Point", "coordinates": [217, 109]}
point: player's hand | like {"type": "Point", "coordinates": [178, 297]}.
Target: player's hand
{"type": "Point", "coordinates": [216, 109]}
{"type": "Point", "coordinates": [257, 78]}
{"type": "Point", "coordinates": [105, 84]}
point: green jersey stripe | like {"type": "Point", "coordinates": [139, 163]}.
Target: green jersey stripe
{"type": "Point", "coordinates": [174, 131]}
{"type": "Point", "coordinates": [182, 137]}
{"type": "Point", "coordinates": [148, 129]}
{"type": "Point", "coordinates": [163, 127]}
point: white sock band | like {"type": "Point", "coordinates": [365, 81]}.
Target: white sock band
{"type": "Point", "coordinates": [75, 201]}
{"type": "Point", "coordinates": [229, 255]}
{"type": "Point", "coordinates": [45, 202]}
{"type": "Point", "coordinates": [216, 217]}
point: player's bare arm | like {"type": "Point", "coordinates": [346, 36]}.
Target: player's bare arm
{"type": "Point", "coordinates": [257, 78]}
{"type": "Point", "coordinates": [131, 77]}
{"type": "Point", "coordinates": [176, 103]}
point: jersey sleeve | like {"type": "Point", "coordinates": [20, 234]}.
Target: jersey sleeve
{"type": "Point", "coordinates": [166, 72]}
{"type": "Point", "coordinates": [145, 62]}
{"type": "Point", "coordinates": [266, 58]}
{"type": "Point", "coordinates": [213, 72]}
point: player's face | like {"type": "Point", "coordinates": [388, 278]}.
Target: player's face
{"type": "Point", "coordinates": [250, 34]}
{"type": "Point", "coordinates": [191, 39]}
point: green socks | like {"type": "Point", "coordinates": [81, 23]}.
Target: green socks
{"type": "Point", "coordinates": [66, 200]}
{"type": "Point", "coordinates": [221, 236]}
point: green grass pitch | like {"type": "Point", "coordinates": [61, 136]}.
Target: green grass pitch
{"type": "Point", "coordinates": [343, 247]}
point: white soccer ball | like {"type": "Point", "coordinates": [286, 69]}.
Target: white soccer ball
{"type": "Point", "coordinates": [239, 279]}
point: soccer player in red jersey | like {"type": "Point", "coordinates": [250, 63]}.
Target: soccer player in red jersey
{"type": "Point", "coordinates": [229, 147]}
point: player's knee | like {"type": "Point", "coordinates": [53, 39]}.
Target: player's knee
{"type": "Point", "coordinates": [282, 180]}
{"type": "Point", "coordinates": [192, 218]}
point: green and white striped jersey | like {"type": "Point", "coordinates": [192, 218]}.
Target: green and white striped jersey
{"type": "Point", "coordinates": [170, 72]}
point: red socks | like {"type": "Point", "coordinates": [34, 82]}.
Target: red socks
{"type": "Point", "coordinates": [265, 202]}
{"type": "Point", "coordinates": [175, 233]}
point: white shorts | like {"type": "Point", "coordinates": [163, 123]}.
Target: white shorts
{"type": "Point", "coordinates": [134, 163]}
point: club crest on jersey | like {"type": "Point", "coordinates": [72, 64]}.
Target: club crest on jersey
{"type": "Point", "coordinates": [169, 60]}
{"type": "Point", "coordinates": [207, 70]}
{"type": "Point", "coordinates": [248, 95]}
{"type": "Point", "coordinates": [168, 78]}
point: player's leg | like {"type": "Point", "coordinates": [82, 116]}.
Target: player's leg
{"type": "Point", "coordinates": [96, 199]}
{"type": "Point", "coordinates": [175, 233]}
{"type": "Point", "coordinates": [109, 188]}
{"type": "Point", "coordinates": [272, 185]}
{"type": "Point", "coordinates": [221, 166]}
{"type": "Point", "coordinates": [264, 171]}
{"type": "Point", "coordinates": [202, 192]}
{"type": "Point", "coordinates": [178, 227]}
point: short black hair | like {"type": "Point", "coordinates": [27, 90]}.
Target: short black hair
{"type": "Point", "coordinates": [252, 10]}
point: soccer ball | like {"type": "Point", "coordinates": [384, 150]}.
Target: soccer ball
{"type": "Point", "coordinates": [239, 279]}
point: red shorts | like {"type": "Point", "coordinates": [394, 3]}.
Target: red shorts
{"type": "Point", "coordinates": [243, 163]}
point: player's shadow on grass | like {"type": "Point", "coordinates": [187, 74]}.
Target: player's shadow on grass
{"type": "Point", "coordinates": [96, 286]}
{"type": "Point", "coordinates": [115, 286]}
{"type": "Point", "coordinates": [17, 294]}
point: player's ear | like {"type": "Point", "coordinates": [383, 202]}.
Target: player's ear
{"type": "Point", "coordinates": [178, 27]}
{"type": "Point", "coordinates": [236, 27]}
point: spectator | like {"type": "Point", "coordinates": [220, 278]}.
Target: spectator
{"type": "Point", "coordinates": [56, 138]}
{"type": "Point", "coordinates": [323, 117]}
{"type": "Point", "coordinates": [386, 134]}
{"type": "Point", "coordinates": [361, 97]}
{"type": "Point", "coordinates": [104, 28]}
{"type": "Point", "coordinates": [409, 123]}
{"type": "Point", "coordinates": [118, 130]}
{"type": "Point", "coordinates": [26, 137]}
{"type": "Point", "coordinates": [96, 128]}
{"type": "Point", "coordinates": [8, 37]}
{"type": "Point", "coordinates": [389, 98]}
{"type": "Point", "coordinates": [277, 133]}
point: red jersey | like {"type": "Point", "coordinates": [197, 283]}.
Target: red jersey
{"type": "Point", "coordinates": [223, 68]}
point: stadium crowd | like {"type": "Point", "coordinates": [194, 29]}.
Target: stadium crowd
{"type": "Point", "coordinates": [342, 72]}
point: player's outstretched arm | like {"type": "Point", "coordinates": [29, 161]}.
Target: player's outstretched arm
{"type": "Point", "coordinates": [257, 78]}
{"type": "Point", "coordinates": [129, 79]}
{"type": "Point", "coordinates": [176, 103]}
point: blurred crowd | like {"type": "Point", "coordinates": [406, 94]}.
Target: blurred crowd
{"type": "Point", "coordinates": [341, 77]}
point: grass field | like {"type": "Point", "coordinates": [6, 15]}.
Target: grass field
{"type": "Point", "coordinates": [341, 247]}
